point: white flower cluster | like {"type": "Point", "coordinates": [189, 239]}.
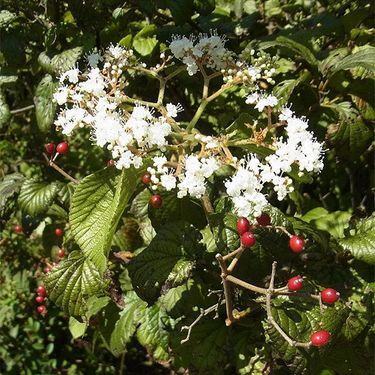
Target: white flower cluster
{"type": "Point", "coordinates": [88, 103]}
{"type": "Point", "coordinates": [192, 181]}
{"type": "Point", "coordinates": [93, 100]}
{"type": "Point", "coordinates": [298, 148]}
{"type": "Point", "coordinates": [208, 50]}
{"type": "Point", "coordinates": [261, 101]}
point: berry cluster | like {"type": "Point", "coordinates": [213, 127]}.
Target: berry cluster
{"type": "Point", "coordinates": [61, 149]}
{"type": "Point", "coordinates": [244, 229]}
{"type": "Point", "coordinates": [294, 284]}
{"type": "Point", "coordinates": [156, 201]}
{"type": "Point", "coordinates": [40, 299]}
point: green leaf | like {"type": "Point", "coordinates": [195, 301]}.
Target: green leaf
{"type": "Point", "coordinates": [351, 139]}
{"type": "Point", "coordinates": [129, 319]}
{"type": "Point", "coordinates": [298, 48]}
{"type": "Point", "coordinates": [6, 18]}
{"type": "Point", "coordinates": [298, 321]}
{"type": "Point", "coordinates": [151, 268]}
{"type": "Point", "coordinates": [174, 208]}
{"type": "Point", "coordinates": [334, 223]}
{"type": "Point", "coordinates": [7, 79]}
{"type": "Point", "coordinates": [61, 62]}
{"type": "Point", "coordinates": [4, 111]}
{"type": "Point", "coordinates": [76, 328]}
{"type": "Point", "coordinates": [72, 282]}
{"type": "Point", "coordinates": [45, 107]}
{"type": "Point", "coordinates": [153, 331]}
{"type": "Point", "coordinates": [9, 187]}
{"type": "Point", "coordinates": [36, 197]}
{"type": "Point", "coordinates": [364, 57]}
{"type": "Point", "coordinates": [203, 353]}
{"type": "Point", "coordinates": [97, 205]}
{"type": "Point", "coordinates": [284, 89]}
{"type": "Point", "coordinates": [361, 244]}
{"type": "Point", "coordinates": [333, 58]}
{"type": "Point", "coordinates": [95, 304]}
{"type": "Point", "coordinates": [145, 46]}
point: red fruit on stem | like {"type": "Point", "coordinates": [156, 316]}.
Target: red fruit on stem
{"type": "Point", "coordinates": [264, 219]}
{"type": "Point", "coordinates": [50, 148]}
{"type": "Point", "coordinates": [243, 225]}
{"type": "Point", "coordinates": [295, 283]}
{"type": "Point", "coordinates": [41, 309]}
{"type": "Point", "coordinates": [46, 269]}
{"type": "Point", "coordinates": [296, 244]}
{"type": "Point", "coordinates": [329, 295]}
{"type": "Point", "coordinates": [39, 299]}
{"type": "Point", "coordinates": [110, 163]}
{"type": "Point", "coordinates": [320, 338]}
{"type": "Point", "coordinates": [248, 239]}
{"type": "Point", "coordinates": [146, 178]}
{"type": "Point", "coordinates": [59, 232]}
{"type": "Point", "coordinates": [61, 253]}
{"type": "Point", "coordinates": [18, 228]}
{"type": "Point", "coordinates": [62, 148]}
{"type": "Point", "coordinates": [41, 291]}
{"type": "Point", "coordinates": [156, 201]}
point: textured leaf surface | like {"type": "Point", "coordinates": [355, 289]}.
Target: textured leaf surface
{"type": "Point", "coordinates": [153, 331]}
{"type": "Point", "coordinates": [351, 139]}
{"type": "Point", "coordinates": [61, 62]}
{"type": "Point", "coordinates": [45, 108]}
{"type": "Point", "coordinates": [72, 281]}
{"type": "Point", "coordinates": [97, 205]}
{"type": "Point", "coordinates": [151, 268]}
{"type": "Point", "coordinates": [364, 58]}
{"type": "Point", "coordinates": [9, 187]}
{"type": "Point", "coordinates": [36, 197]}
{"type": "Point", "coordinates": [299, 321]}
{"type": "Point", "coordinates": [298, 48]}
{"type": "Point", "coordinates": [127, 324]}
{"type": "Point", "coordinates": [362, 243]}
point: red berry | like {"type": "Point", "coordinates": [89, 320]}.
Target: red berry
{"type": "Point", "coordinates": [62, 148]}
{"type": "Point", "coordinates": [146, 178]}
{"type": "Point", "coordinates": [296, 244]}
{"type": "Point", "coordinates": [264, 219]}
{"type": "Point", "coordinates": [248, 239]}
{"type": "Point", "coordinates": [59, 232]}
{"type": "Point", "coordinates": [320, 338]}
{"type": "Point", "coordinates": [61, 253]}
{"type": "Point", "coordinates": [110, 163]}
{"type": "Point", "coordinates": [39, 299]}
{"type": "Point", "coordinates": [156, 201]}
{"type": "Point", "coordinates": [18, 228]}
{"type": "Point", "coordinates": [41, 291]}
{"type": "Point", "coordinates": [243, 225]}
{"type": "Point", "coordinates": [329, 295]}
{"type": "Point", "coordinates": [46, 269]}
{"type": "Point", "coordinates": [295, 283]}
{"type": "Point", "coordinates": [41, 309]}
{"type": "Point", "coordinates": [50, 148]}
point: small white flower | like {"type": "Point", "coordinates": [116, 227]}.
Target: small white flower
{"type": "Point", "coordinates": [61, 96]}
{"type": "Point", "coordinates": [172, 110]}
{"type": "Point", "coordinates": [168, 181]}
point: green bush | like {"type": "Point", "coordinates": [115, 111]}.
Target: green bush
{"type": "Point", "coordinates": [142, 288]}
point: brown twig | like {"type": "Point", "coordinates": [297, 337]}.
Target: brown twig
{"type": "Point", "coordinates": [58, 169]}
{"type": "Point", "coordinates": [270, 318]}
{"type": "Point", "coordinates": [227, 292]}
{"type": "Point", "coordinates": [203, 313]}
